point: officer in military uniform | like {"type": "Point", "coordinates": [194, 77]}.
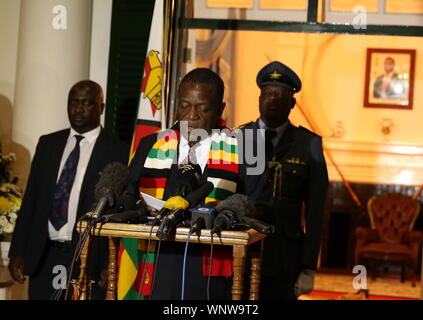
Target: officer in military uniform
{"type": "Point", "coordinates": [291, 192]}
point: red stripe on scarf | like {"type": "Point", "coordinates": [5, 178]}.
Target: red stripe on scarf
{"type": "Point", "coordinates": [232, 167]}
{"type": "Point", "coordinates": [153, 182]}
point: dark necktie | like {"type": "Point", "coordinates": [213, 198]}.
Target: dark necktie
{"type": "Point", "coordinates": [59, 212]}
{"type": "Point", "coordinates": [269, 135]}
{"type": "Point", "coordinates": [192, 157]}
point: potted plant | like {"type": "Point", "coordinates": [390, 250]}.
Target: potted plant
{"type": "Point", "coordinates": [10, 196]}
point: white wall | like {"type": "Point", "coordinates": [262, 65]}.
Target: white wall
{"type": "Point", "coordinates": [10, 13]}
{"type": "Point", "coordinates": [100, 42]}
{"type": "Point", "coordinates": [10, 21]}
{"type": "Point", "coordinates": [9, 33]}
{"type": "Point", "coordinates": [9, 29]}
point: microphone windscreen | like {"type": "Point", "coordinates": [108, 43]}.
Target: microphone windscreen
{"type": "Point", "coordinates": [241, 204]}
{"type": "Point", "coordinates": [198, 195]}
{"type": "Point", "coordinates": [113, 181]}
{"type": "Point", "coordinates": [176, 202]}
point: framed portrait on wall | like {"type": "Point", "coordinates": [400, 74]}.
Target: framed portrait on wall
{"type": "Point", "coordinates": [389, 79]}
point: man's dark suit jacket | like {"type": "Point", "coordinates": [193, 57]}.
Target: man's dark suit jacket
{"type": "Point", "coordinates": [167, 284]}
{"type": "Point", "coordinates": [304, 182]}
{"type": "Point", "coordinates": [30, 236]}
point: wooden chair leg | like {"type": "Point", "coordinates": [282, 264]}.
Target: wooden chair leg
{"type": "Point", "coordinates": [371, 266]}
{"type": "Point", "coordinates": [402, 271]}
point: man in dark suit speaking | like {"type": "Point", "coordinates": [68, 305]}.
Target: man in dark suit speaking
{"type": "Point", "coordinates": [60, 189]}
{"type": "Point", "coordinates": [295, 181]}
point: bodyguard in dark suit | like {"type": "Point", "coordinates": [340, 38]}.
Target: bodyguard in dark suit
{"type": "Point", "coordinates": [291, 192]}
{"type": "Point", "coordinates": [60, 189]}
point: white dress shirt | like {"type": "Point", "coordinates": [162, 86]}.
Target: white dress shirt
{"type": "Point", "coordinates": [201, 152]}
{"type": "Point", "coordinates": [86, 148]}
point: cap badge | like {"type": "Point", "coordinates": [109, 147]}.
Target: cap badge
{"type": "Point", "coordinates": [275, 75]}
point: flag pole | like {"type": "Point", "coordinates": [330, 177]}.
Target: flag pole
{"type": "Point", "coordinates": [177, 61]}
{"type": "Point", "coordinates": [167, 56]}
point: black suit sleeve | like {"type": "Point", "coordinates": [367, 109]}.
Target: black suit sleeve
{"type": "Point", "coordinates": [316, 190]}
{"type": "Point", "coordinates": [26, 212]}
{"type": "Point", "coordinates": [136, 166]}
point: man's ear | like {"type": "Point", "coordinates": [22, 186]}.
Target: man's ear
{"type": "Point", "coordinates": [222, 108]}
{"type": "Point", "coordinates": [102, 108]}
{"type": "Point", "coordinates": [293, 102]}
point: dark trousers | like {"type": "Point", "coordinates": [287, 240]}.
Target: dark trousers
{"type": "Point", "coordinates": [278, 288]}
{"type": "Point", "coordinates": [51, 273]}
{"type": "Point", "coordinates": [45, 283]}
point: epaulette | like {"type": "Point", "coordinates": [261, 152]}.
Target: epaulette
{"type": "Point", "coordinates": [243, 125]}
{"type": "Point", "coordinates": [308, 131]}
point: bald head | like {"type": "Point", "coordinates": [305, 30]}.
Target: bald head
{"type": "Point", "coordinates": [89, 86]}
{"type": "Point", "coordinates": [85, 105]}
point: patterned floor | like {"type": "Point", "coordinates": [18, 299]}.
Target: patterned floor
{"type": "Point", "coordinates": [381, 286]}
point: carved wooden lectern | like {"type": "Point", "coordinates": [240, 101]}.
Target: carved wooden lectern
{"type": "Point", "coordinates": [239, 240]}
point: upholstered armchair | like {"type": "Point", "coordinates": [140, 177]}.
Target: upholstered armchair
{"type": "Point", "coordinates": [391, 237]}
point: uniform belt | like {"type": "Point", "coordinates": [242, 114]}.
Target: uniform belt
{"type": "Point", "coordinates": [60, 244]}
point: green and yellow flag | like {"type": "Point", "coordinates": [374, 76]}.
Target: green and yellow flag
{"type": "Point", "coordinates": [135, 266]}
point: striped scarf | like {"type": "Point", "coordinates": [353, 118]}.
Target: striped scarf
{"type": "Point", "coordinates": [222, 170]}
{"type": "Point", "coordinates": [222, 165]}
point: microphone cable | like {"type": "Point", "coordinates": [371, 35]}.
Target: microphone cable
{"type": "Point", "coordinates": [144, 272]}
{"type": "Point", "coordinates": [77, 254]}
{"type": "Point", "coordinates": [77, 251]}
{"type": "Point", "coordinates": [184, 267]}
{"type": "Point", "coordinates": [210, 266]}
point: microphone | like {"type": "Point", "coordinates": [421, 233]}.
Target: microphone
{"type": "Point", "coordinates": [188, 179]}
{"type": "Point", "coordinates": [127, 202]}
{"type": "Point", "coordinates": [189, 176]}
{"type": "Point", "coordinates": [238, 210]}
{"type": "Point", "coordinates": [258, 225]}
{"type": "Point", "coordinates": [231, 210]}
{"type": "Point", "coordinates": [130, 216]}
{"type": "Point", "coordinates": [172, 203]}
{"type": "Point", "coordinates": [225, 220]}
{"type": "Point", "coordinates": [202, 218]}
{"type": "Point", "coordinates": [178, 215]}
{"type": "Point", "coordinates": [113, 181]}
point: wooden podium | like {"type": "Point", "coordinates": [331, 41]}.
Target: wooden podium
{"type": "Point", "coordinates": [239, 240]}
